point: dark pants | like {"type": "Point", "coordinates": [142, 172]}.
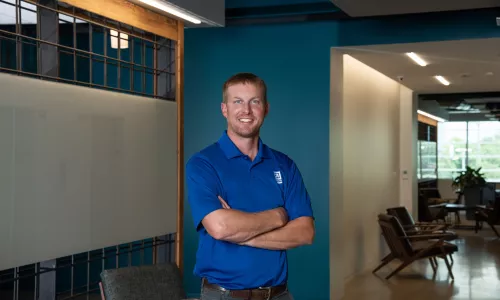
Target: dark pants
{"type": "Point", "coordinates": [208, 294]}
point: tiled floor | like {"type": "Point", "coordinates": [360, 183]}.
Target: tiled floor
{"type": "Point", "coordinates": [476, 269]}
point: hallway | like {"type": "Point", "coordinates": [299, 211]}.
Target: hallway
{"type": "Point", "coordinates": [476, 270]}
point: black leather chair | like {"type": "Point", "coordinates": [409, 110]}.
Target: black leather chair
{"type": "Point", "coordinates": [152, 282]}
{"type": "Point", "coordinates": [412, 227]}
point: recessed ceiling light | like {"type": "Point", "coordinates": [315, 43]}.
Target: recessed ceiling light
{"type": "Point", "coordinates": [489, 73]}
{"type": "Point", "coordinates": [417, 59]}
{"type": "Point", "coordinates": [442, 80]}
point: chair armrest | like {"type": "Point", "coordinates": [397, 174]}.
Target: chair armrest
{"type": "Point", "coordinates": [483, 208]}
{"type": "Point", "coordinates": [424, 236]}
{"type": "Point", "coordinates": [421, 232]}
{"type": "Point", "coordinates": [436, 227]}
{"type": "Point", "coordinates": [429, 236]}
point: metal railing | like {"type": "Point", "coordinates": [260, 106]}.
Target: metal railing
{"type": "Point", "coordinates": [83, 270]}
{"type": "Point", "coordinates": [70, 45]}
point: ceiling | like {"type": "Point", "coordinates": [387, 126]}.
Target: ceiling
{"type": "Point", "coordinates": [471, 66]}
{"type": "Point", "coordinates": [364, 8]}
{"type": "Point", "coordinates": [263, 3]}
{"type": "Point", "coordinates": [251, 12]}
{"type": "Point", "coordinates": [465, 63]}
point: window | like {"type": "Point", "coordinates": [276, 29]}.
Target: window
{"type": "Point", "coordinates": [53, 41]}
{"type": "Point", "coordinates": [475, 144]}
{"type": "Point", "coordinates": [452, 146]}
{"type": "Point", "coordinates": [484, 148]}
{"type": "Point", "coordinates": [427, 151]}
{"type": "Point", "coordinates": [427, 159]}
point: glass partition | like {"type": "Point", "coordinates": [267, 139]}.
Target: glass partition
{"type": "Point", "coordinates": [428, 159]}
{"type": "Point", "coordinates": [474, 144]}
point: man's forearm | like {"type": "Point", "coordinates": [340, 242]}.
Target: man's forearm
{"type": "Point", "coordinates": [294, 234]}
{"type": "Point", "coordinates": [237, 226]}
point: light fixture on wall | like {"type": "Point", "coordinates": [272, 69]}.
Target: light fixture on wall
{"type": "Point", "coordinates": [442, 80]}
{"type": "Point", "coordinates": [171, 10]}
{"type": "Point", "coordinates": [115, 35]}
{"type": "Point", "coordinates": [423, 113]}
{"type": "Point", "coordinates": [417, 59]}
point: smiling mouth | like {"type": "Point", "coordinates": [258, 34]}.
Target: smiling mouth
{"type": "Point", "coordinates": [245, 120]}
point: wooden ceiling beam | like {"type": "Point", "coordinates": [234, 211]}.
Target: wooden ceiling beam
{"type": "Point", "coordinates": [132, 14]}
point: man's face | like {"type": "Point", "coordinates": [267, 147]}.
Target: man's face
{"type": "Point", "coordinates": [244, 110]}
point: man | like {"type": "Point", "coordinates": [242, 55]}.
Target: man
{"type": "Point", "coordinates": [248, 201]}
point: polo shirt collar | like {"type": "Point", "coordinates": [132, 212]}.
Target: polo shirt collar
{"type": "Point", "coordinates": [231, 151]}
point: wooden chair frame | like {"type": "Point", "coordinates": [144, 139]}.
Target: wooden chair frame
{"type": "Point", "coordinates": [402, 246]}
{"type": "Point", "coordinates": [489, 215]}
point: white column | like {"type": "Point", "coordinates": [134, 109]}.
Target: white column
{"type": "Point", "coordinates": [407, 155]}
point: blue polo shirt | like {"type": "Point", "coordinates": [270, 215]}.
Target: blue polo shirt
{"type": "Point", "coordinates": [270, 181]}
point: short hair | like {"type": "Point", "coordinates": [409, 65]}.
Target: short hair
{"type": "Point", "coordinates": [245, 78]}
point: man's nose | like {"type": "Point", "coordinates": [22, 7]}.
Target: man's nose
{"type": "Point", "coordinates": [246, 107]}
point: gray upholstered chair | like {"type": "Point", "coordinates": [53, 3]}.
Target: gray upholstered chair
{"type": "Point", "coordinates": [152, 282]}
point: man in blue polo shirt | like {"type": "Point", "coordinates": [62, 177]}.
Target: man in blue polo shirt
{"type": "Point", "coordinates": [248, 202]}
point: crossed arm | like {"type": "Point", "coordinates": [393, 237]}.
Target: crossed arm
{"type": "Point", "coordinates": [268, 229]}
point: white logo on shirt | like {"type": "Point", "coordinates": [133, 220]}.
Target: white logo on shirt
{"type": "Point", "coordinates": [277, 176]}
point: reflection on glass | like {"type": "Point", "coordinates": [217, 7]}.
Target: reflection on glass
{"type": "Point", "coordinates": [484, 148]}
{"type": "Point", "coordinates": [476, 144]}
{"type": "Point", "coordinates": [428, 159]}
{"type": "Point", "coordinates": [452, 145]}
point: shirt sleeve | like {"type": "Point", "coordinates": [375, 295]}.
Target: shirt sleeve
{"type": "Point", "coordinates": [202, 188]}
{"type": "Point", "coordinates": [297, 200]}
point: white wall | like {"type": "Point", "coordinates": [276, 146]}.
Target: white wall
{"type": "Point", "coordinates": [336, 176]}
{"type": "Point", "coordinates": [366, 112]}
{"type": "Point", "coordinates": [82, 169]}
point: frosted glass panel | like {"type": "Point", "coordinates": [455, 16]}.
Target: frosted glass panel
{"type": "Point", "coordinates": [82, 169]}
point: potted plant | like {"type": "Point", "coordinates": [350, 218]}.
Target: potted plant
{"type": "Point", "coordinates": [469, 178]}
{"type": "Point", "coordinates": [470, 183]}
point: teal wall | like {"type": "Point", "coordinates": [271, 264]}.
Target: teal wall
{"type": "Point", "coordinates": [293, 59]}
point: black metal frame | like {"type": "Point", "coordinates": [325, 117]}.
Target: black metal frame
{"type": "Point", "coordinates": [33, 271]}
{"type": "Point", "coordinates": [147, 41]}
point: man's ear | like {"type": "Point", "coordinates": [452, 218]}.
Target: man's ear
{"type": "Point", "coordinates": [223, 108]}
{"type": "Point", "coordinates": [267, 109]}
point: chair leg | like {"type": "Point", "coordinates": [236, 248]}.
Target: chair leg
{"type": "Point", "coordinates": [435, 261]}
{"type": "Point", "coordinates": [449, 266]}
{"type": "Point", "coordinates": [385, 261]}
{"type": "Point", "coordinates": [432, 265]}
{"type": "Point", "coordinates": [451, 258]}
{"type": "Point", "coordinates": [495, 230]}
{"type": "Point", "coordinates": [386, 257]}
{"type": "Point", "coordinates": [401, 267]}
